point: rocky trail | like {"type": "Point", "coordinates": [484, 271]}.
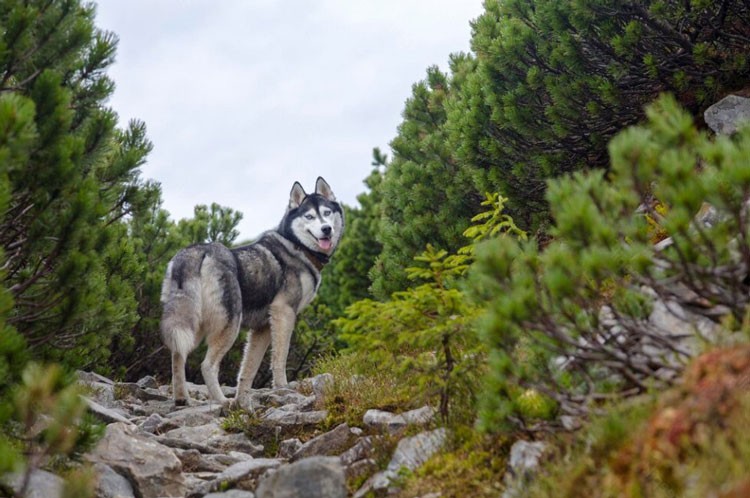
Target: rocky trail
{"type": "Point", "coordinates": [151, 448]}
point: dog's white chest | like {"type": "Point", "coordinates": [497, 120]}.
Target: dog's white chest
{"type": "Point", "coordinates": [307, 285]}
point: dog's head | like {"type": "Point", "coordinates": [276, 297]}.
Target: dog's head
{"type": "Point", "coordinates": [315, 221]}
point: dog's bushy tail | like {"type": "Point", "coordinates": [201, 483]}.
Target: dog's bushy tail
{"type": "Point", "coordinates": [179, 324]}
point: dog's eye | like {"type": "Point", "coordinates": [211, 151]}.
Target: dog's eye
{"type": "Point", "coordinates": [309, 217]}
{"type": "Point", "coordinates": [327, 212]}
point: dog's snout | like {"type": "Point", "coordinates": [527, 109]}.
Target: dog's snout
{"type": "Point", "coordinates": [326, 229]}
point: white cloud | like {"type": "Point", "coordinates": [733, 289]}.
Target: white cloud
{"type": "Point", "coordinates": [242, 98]}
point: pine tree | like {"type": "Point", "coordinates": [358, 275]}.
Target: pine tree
{"type": "Point", "coordinates": [346, 279]}
{"type": "Point", "coordinates": [62, 232]}
{"type": "Point", "coordinates": [557, 79]}
{"type": "Point", "coordinates": [572, 322]}
{"type": "Point", "coordinates": [426, 196]}
{"type": "Point", "coordinates": [219, 224]}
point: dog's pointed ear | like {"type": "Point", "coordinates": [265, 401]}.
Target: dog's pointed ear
{"type": "Point", "coordinates": [322, 188]}
{"type": "Point", "coordinates": [296, 196]}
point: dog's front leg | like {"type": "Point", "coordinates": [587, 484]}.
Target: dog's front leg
{"type": "Point", "coordinates": [257, 344]}
{"type": "Point", "coordinates": [283, 318]}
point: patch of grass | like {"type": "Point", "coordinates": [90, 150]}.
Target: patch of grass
{"type": "Point", "coordinates": [358, 385]}
{"type": "Point", "coordinates": [269, 434]}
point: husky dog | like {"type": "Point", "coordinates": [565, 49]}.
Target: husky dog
{"type": "Point", "coordinates": [210, 292]}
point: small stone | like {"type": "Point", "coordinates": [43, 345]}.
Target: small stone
{"type": "Point", "coordinates": [148, 381]}
{"type": "Point", "coordinates": [289, 447]}
{"type": "Point", "coordinates": [330, 443]}
{"type": "Point", "coordinates": [728, 115]}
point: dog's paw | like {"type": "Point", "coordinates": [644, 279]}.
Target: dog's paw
{"type": "Point", "coordinates": [241, 403]}
{"type": "Point", "coordinates": [180, 402]}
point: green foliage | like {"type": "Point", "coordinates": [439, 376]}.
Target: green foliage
{"type": "Point", "coordinates": [72, 178]}
{"type": "Point", "coordinates": [360, 383]}
{"type": "Point", "coordinates": [426, 197]}
{"type": "Point", "coordinates": [346, 278]}
{"type": "Point", "coordinates": [472, 464]}
{"type": "Point", "coordinates": [555, 80]}
{"type": "Point", "coordinates": [578, 308]}
{"type": "Point", "coordinates": [219, 224]}
{"type": "Point", "coordinates": [424, 335]}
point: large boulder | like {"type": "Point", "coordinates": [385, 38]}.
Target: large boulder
{"type": "Point", "coordinates": [152, 468]}
{"type": "Point", "coordinates": [307, 478]}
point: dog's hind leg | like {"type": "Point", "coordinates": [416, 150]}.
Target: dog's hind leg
{"type": "Point", "coordinates": [255, 349]}
{"type": "Point", "coordinates": [179, 387]}
{"type": "Point", "coordinates": [218, 346]}
{"type": "Point", "coordinates": [180, 341]}
{"type": "Point", "coordinates": [283, 318]}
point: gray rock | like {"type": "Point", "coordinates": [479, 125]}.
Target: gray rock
{"type": "Point", "coordinates": [333, 442]}
{"type": "Point", "coordinates": [212, 436]}
{"type": "Point", "coordinates": [193, 416]}
{"type": "Point", "coordinates": [727, 115]}
{"type": "Point", "coordinates": [42, 484]}
{"type": "Point", "coordinates": [110, 484]}
{"type": "Point", "coordinates": [146, 408]}
{"type": "Point", "coordinates": [102, 393]}
{"type": "Point", "coordinates": [232, 493]}
{"type": "Point", "coordinates": [420, 416]}
{"type": "Point", "coordinates": [153, 423]}
{"type": "Point", "coordinates": [393, 423]}
{"type": "Point", "coordinates": [320, 384]}
{"type": "Point", "coordinates": [362, 450]}
{"type": "Point", "coordinates": [410, 453]}
{"type": "Point", "coordinates": [93, 378]}
{"type": "Point", "coordinates": [126, 390]}
{"type": "Point", "coordinates": [242, 475]}
{"type": "Point", "coordinates": [525, 456]}
{"type": "Point", "coordinates": [153, 468]}
{"type": "Point", "coordinates": [194, 461]}
{"type": "Point", "coordinates": [522, 464]}
{"type": "Point", "coordinates": [308, 478]}
{"type": "Point", "coordinates": [148, 381]}
{"type": "Point", "coordinates": [360, 469]}
{"type": "Point", "coordinates": [105, 414]}
{"type": "Point", "coordinates": [289, 447]}
{"type": "Point", "coordinates": [228, 459]}
{"type": "Point", "coordinates": [293, 418]}
{"type": "Point", "coordinates": [282, 397]}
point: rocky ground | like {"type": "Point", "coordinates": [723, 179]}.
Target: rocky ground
{"type": "Point", "coordinates": [153, 449]}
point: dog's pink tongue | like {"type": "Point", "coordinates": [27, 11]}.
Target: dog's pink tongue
{"type": "Point", "coordinates": [324, 244]}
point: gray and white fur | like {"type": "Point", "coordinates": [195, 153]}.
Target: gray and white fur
{"type": "Point", "coordinates": [211, 292]}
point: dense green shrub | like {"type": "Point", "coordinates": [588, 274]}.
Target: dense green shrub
{"type": "Point", "coordinates": [571, 321]}
{"type": "Point", "coordinates": [557, 79]}
{"type": "Point", "coordinates": [425, 335]}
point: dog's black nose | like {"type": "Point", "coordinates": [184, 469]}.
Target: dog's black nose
{"type": "Point", "coordinates": [326, 229]}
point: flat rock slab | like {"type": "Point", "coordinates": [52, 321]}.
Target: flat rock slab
{"type": "Point", "coordinates": [333, 442]}
{"type": "Point", "coordinates": [294, 418]}
{"type": "Point", "coordinates": [242, 475]}
{"type": "Point", "coordinates": [105, 414]}
{"type": "Point", "coordinates": [212, 436]}
{"type": "Point", "coordinates": [395, 422]}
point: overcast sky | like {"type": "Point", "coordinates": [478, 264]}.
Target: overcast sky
{"type": "Point", "coordinates": [243, 97]}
